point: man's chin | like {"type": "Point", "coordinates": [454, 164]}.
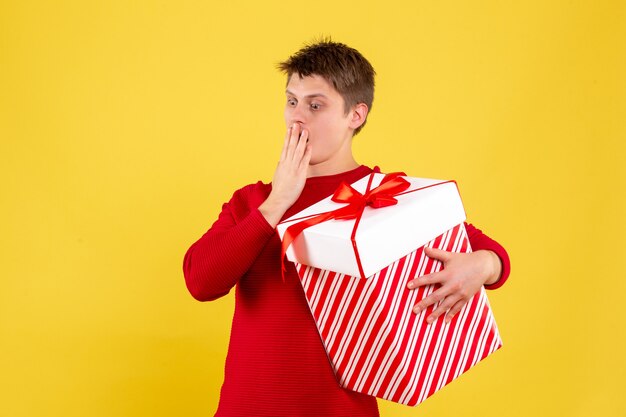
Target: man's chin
{"type": "Point", "coordinates": [313, 162]}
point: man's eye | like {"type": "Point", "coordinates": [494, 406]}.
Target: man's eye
{"type": "Point", "coordinates": [291, 102]}
{"type": "Point", "coordinates": [315, 106]}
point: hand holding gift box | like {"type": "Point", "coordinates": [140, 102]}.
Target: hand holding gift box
{"type": "Point", "coordinates": [462, 276]}
{"type": "Point", "coordinates": [355, 273]}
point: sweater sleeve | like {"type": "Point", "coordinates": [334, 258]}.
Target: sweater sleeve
{"type": "Point", "coordinates": [479, 241]}
{"type": "Point", "coordinates": [216, 261]}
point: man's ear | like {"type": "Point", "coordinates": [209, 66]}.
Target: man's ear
{"type": "Point", "coordinates": [358, 114]}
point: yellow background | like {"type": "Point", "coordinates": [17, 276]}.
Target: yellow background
{"type": "Point", "coordinates": [125, 125]}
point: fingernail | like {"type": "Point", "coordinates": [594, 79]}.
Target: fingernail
{"type": "Point", "coordinates": [410, 285]}
{"type": "Point", "coordinates": [416, 310]}
{"type": "Point", "coordinates": [430, 319]}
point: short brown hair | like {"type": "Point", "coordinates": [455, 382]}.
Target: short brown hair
{"type": "Point", "coordinates": [345, 68]}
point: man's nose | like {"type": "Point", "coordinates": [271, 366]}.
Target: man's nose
{"type": "Point", "coordinates": [297, 115]}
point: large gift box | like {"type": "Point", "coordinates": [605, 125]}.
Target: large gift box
{"type": "Point", "coordinates": [355, 252]}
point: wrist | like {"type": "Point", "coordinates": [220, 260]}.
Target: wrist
{"type": "Point", "coordinates": [273, 210]}
{"type": "Point", "coordinates": [493, 270]}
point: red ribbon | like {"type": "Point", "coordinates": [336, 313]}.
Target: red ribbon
{"type": "Point", "coordinates": [381, 196]}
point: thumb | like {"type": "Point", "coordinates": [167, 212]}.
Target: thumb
{"type": "Point", "coordinates": [438, 254]}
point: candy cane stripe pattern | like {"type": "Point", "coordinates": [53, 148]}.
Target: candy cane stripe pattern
{"type": "Point", "coordinates": [378, 346]}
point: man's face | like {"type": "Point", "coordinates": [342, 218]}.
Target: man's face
{"type": "Point", "coordinates": [319, 108]}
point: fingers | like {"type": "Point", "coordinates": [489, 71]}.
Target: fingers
{"type": "Point", "coordinates": [457, 283]}
{"type": "Point", "coordinates": [446, 295]}
{"type": "Point", "coordinates": [449, 304]}
{"type": "Point", "coordinates": [438, 254]}
{"type": "Point", "coordinates": [306, 158]}
{"type": "Point", "coordinates": [291, 171]}
{"type": "Point", "coordinates": [433, 298]}
{"type": "Point", "coordinates": [292, 141]}
{"type": "Point", "coordinates": [301, 144]}
{"type": "Point", "coordinates": [283, 153]}
{"type": "Point", "coordinates": [442, 308]}
{"type": "Point", "coordinates": [296, 143]}
{"type": "Point", "coordinates": [434, 278]}
{"type": "Point", "coordinates": [454, 310]}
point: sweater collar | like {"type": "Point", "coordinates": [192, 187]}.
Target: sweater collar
{"type": "Point", "coordinates": [349, 176]}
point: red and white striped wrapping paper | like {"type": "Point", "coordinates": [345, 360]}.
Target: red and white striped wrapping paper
{"type": "Point", "coordinates": [378, 346]}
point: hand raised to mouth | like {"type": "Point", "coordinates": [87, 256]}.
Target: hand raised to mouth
{"type": "Point", "coordinates": [290, 175]}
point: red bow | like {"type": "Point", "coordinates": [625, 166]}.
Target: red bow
{"type": "Point", "coordinates": [381, 196]}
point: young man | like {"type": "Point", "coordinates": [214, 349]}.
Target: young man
{"type": "Point", "coordinates": [276, 363]}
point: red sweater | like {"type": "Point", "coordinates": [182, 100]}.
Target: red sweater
{"type": "Point", "coordinates": [276, 363]}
